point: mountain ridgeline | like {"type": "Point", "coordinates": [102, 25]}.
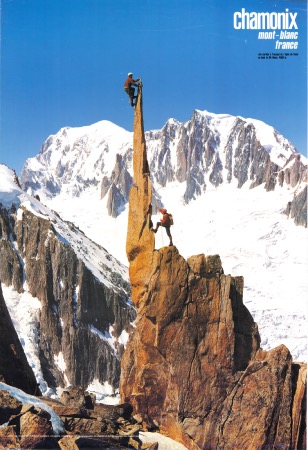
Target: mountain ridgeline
{"type": "Point", "coordinates": [207, 151]}
{"type": "Point", "coordinates": [85, 312]}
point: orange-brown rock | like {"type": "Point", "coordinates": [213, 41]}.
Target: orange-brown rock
{"type": "Point", "coordinates": [8, 406]}
{"type": "Point", "coordinates": [68, 443]}
{"type": "Point", "coordinates": [76, 397]}
{"type": "Point", "coordinates": [36, 429]}
{"type": "Point", "coordinates": [87, 427]}
{"type": "Point", "coordinates": [69, 411]}
{"type": "Point", "coordinates": [299, 406]}
{"type": "Point", "coordinates": [194, 367]}
{"type": "Point", "coordinates": [98, 442]}
{"type": "Point", "coordinates": [101, 426]}
{"type": "Point", "coordinates": [140, 251]}
{"type": "Point", "coordinates": [8, 438]}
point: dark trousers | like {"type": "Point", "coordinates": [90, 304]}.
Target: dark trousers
{"type": "Point", "coordinates": [159, 224]}
{"type": "Point", "coordinates": [130, 91]}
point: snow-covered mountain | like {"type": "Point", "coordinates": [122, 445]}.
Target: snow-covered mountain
{"type": "Point", "coordinates": [75, 158]}
{"type": "Point", "coordinates": [228, 182]}
{"type": "Point", "coordinates": [208, 150]}
{"type": "Point", "coordinates": [68, 298]}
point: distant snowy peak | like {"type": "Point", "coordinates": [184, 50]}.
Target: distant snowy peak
{"type": "Point", "coordinates": [211, 149]}
{"type": "Point", "coordinates": [75, 158]}
{"type": "Point", "coordinates": [110, 132]}
{"type": "Point", "coordinates": [204, 152]}
{"type": "Point", "coordinates": [9, 181]}
{"type": "Point", "coordinates": [279, 148]}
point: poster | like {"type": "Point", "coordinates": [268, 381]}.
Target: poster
{"type": "Point", "coordinates": [63, 66]}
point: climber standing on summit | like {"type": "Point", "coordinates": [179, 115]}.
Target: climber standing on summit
{"type": "Point", "coordinates": [165, 222]}
{"type": "Point", "coordinates": [129, 89]}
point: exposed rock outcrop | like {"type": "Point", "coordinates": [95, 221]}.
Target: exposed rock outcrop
{"type": "Point", "coordinates": [293, 171]}
{"type": "Point", "coordinates": [76, 424]}
{"type": "Point", "coordinates": [35, 429]}
{"type": "Point", "coordinates": [140, 251]}
{"type": "Point", "coordinates": [9, 406]}
{"type": "Point", "coordinates": [81, 318]}
{"type": "Point", "coordinates": [297, 208]}
{"type": "Point", "coordinates": [194, 368]}
{"type": "Point", "coordinates": [14, 367]}
{"type": "Point", "coordinates": [117, 186]}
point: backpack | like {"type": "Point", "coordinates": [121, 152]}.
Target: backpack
{"type": "Point", "coordinates": [171, 219]}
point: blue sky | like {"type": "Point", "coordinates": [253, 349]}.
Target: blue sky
{"type": "Point", "coordinates": [64, 62]}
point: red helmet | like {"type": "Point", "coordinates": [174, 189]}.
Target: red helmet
{"type": "Point", "coordinates": [163, 210]}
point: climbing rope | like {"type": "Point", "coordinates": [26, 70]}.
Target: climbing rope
{"type": "Point", "coordinates": [162, 236]}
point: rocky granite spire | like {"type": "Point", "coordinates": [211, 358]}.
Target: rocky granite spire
{"type": "Point", "coordinates": [140, 240]}
{"type": "Point", "coordinates": [194, 368]}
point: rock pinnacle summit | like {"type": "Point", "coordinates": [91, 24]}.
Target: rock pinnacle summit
{"type": "Point", "coordinates": [193, 368]}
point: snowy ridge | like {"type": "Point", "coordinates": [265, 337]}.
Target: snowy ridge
{"type": "Point", "coordinates": [106, 336]}
{"type": "Point", "coordinates": [223, 134]}
{"type": "Point", "coordinates": [244, 226]}
{"type": "Point", "coordinates": [77, 159]}
{"type": "Point", "coordinates": [96, 258]}
{"type": "Point", "coordinates": [273, 142]}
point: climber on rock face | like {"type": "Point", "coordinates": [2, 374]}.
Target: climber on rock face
{"type": "Point", "coordinates": [129, 87]}
{"type": "Point", "coordinates": [165, 222]}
